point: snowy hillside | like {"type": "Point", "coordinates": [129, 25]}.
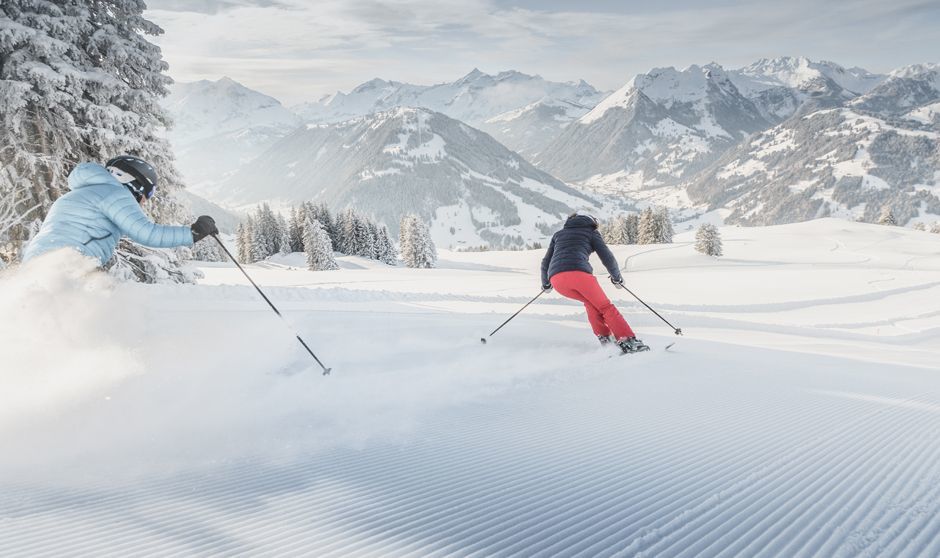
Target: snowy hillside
{"type": "Point", "coordinates": [472, 189]}
{"type": "Point", "coordinates": [913, 91]}
{"type": "Point", "coordinates": [798, 416]}
{"type": "Point", "coordinates": [473, 99]}
{"type": "Point", "coordinates": [221, 125]}
{"type": "Point", "coordinates": [665, 125]}
{"type": "Point", "coordinates": [835, 162]}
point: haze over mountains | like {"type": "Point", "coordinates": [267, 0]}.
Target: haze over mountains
{"type": "Point", "coordinates": [777, 141]}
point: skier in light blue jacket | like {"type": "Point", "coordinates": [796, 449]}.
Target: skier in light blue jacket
{"type": "Point", "coordinates": [105, 204]}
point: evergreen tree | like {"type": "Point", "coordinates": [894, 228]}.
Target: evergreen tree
{"type": "Point", "coordinates": [935, 228]}
{"type": "Point", "coordinates": [632, 228]}
{"type": "Point", "coordinates": [269, 234]}
{"type": "Point", "coordinates": [208, 251]}
{"type": "Point", "coordinates": [343, 227]}
{"type": "Point", "coordinates": [322, 213]}
{"type": "Point", "coordinates": [319, 249]}
{"type": "Point", "coordinates": [283, 243]}
{"type": "Point", "coordinates": [385, 249]}
{"type": "Point", "coordinates": [79, 81]}
{"type": "Point", "coordinates": [257, 242]}
{"type": "Point", "coordinates": [708, 240]}
{"type": "Point", "coordinates": [296, 229]}
{"type": "Point", "coordinates": [243, 243]}
{"type": "Point", "coordinates": [647, 229]}
{"type": "Point", "coordinates": [887, 217]}
{"type": "Point", "coordinates": [664, 226]}
{"type": "Point", "coordinates": [417, 248]}
{"type": "Point", "coordinates": [920, 226]}
{"type": "Point", "coordinates": [614, 231]}
{"type": "Point", "coordinates": [363, 240]}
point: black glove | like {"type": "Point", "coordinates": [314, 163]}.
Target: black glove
{"type": "Point", "coordinates": [547, 287]}
{"type": "Point", "coordinates": [203, 227]}
{"type": "Point", "coordinates": [617, 281]}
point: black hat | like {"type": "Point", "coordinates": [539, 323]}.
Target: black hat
{"type": "Point", "coordinates": [138, 175]}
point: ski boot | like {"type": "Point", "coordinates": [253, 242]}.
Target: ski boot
{"type": "Point", "coordinates": [632, 345]}
{"type": "Point", "coordinates": [604, 339]}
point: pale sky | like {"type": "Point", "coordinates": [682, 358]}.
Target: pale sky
{"type": "Point", "coordinates": [298, 50]}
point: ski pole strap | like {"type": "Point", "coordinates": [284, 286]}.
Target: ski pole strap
{"type": "Point", "coordinates": [517, 313]}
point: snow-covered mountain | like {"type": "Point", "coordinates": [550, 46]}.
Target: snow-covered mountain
{"type": "Point", "coordinates": [473, 99]}
{"type": "Point", "coordinates": [911, 91]}
{"type": "Point", "coordinates": [221, 125]}
{"type": "Point", "coordinates": [837, 162]}
{"type": "Point", "coordinates": [664, 125]}
{"type": "Point", "coordinates": [532, 128]}
{"type": "Point", "coordinates": [781, 86]}
{"type": "Point", "coordinates": [473, 189]}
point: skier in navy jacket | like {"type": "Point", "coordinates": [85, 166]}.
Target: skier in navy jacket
{"type": "Point", "coordinates": [105, 204]}
{"type": "Point", "coordinates": [565, 268]}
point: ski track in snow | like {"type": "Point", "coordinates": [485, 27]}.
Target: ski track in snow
{"type": "Point", "coordinates": [800, 421]}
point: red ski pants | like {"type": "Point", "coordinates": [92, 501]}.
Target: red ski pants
{"type": "Point", "coordinates": [604, 317]}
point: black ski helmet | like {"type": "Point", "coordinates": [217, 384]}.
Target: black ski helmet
{"type": "Point", "coordinates": [144, 182]}
{"type": "Point", "coordinates": [594, 222]}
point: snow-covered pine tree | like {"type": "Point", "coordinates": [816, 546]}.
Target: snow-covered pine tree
{"type": "Point", "coordinates": [406, 238]}
{"type": "Point", "coordinates": [323, 214]}
{"type": "Point", "coordinates": [257, 242]}
{"type": "Point", "coordinates": [365, 243]}
{"type": "Point", "coordinates": [208, 251]}
{"type": "Point", "coordinates": [242, 243]}
{"type": "Point", "coordinates": [614, 231]}
{"type": "Point", "coordinates": [887, 217]}
{"type": "Point", "coordinates": [417, 248]}
{"type": "Point", "coordinates": [270, 231]}
{"type": "Point", "coordinates": [708, 240]}
{"type": "Point", "coordinates": [935, 228]}
{"type": "Point", "coordinates": [647, 227]}
{"type": "Point", "coordinates": [385, 248]}
{"type": "Point", "coordinates": [666, 231]}
{"type": "Point", "coordinates": [319, 249]}
{"type": "Point", "coordinates": [283, 243]}
{"type": "Point", "coordinates": [296, 229]}
{"type": "Point", "coordinates": [632, 228]}
{"type": "Point", "coordinates": [374, 239]}
{"type": "Point", "coordinates": [921, 226]}
{"type": "Point", "coordinates": [11, 216]}
{"type": "Point", "coordinates": [79, 81]}
{"type": "Point", "coordinates": [341, 231]}
{"type": "Point", "coordinates": [429, 251]}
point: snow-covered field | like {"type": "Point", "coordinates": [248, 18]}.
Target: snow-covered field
{"type": "Point", "coordinates": [799, 415]}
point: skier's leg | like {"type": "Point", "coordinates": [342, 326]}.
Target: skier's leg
{"type": "Point", "coordinates": [564, 283]}
{"type": "Point", "coordinates": [590, 289]}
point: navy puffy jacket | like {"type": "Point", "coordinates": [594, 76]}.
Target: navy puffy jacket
{"type": "Point", "coordinates": [571, 246]}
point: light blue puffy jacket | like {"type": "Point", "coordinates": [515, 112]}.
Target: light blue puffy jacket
{"type": "Point", "coordinates": [97, 212]}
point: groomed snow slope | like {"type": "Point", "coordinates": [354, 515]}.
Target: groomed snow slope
{"type": "Point", "coordinates": [799, 415]}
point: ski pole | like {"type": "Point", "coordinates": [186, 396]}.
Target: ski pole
{"type": "Point", "coordinates": [326, 371]}
{"type": "Point", "coordinates": [676, 330]}
{"type": "Point", "coordinates": [483, 339]}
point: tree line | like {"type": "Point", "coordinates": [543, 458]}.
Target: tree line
{"type": "Point", "coordinates": [648, 227]}
{"type": "Point", "coordinates": [316, 231]}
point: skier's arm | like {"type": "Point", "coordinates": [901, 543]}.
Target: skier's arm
{"type": "Point", "coordinates": [547, 260]}
{"type": "Point", "coordinates": [124, 211]}
{"type": "Point", "coordinates": [606, 256]}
